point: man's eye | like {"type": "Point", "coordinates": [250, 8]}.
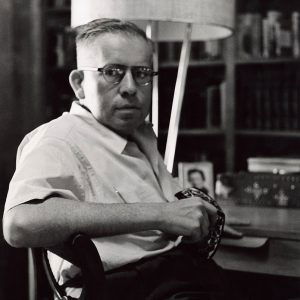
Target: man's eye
{"type": "Point", "coordinates": [113, 72]}
{"type": "Point", "coordinates": [141, 74]}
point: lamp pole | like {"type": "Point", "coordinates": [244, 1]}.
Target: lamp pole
{"type": "Point", "coordinates": [178, 99]}
{"type": "Point", "coordinates": [152, 33]}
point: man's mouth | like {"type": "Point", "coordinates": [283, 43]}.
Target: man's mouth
{"type": "Point", "coordinates": [128, 107]}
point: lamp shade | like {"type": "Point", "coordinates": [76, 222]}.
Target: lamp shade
{"type": "Point", "coordinates": [211, 19]}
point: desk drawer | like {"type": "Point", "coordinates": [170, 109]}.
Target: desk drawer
{"type": "Point", "coordinates": [277, 257]}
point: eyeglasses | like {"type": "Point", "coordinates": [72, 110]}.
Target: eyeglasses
{"type": "Point", "coordinates": [114, 73]}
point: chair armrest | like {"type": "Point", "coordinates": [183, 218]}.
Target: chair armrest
{"type": "Point", "coordinates": [82, 252]}
{"type": "Point", "coordinates": [89, 261]}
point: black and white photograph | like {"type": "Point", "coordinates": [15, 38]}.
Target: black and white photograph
{"type": "Point", "coordinates": [150, 149]}
{"type": "Point", "coordinates": [197, 175]}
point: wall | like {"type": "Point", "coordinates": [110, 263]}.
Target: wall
{"type": "Point", "coordinates": [21, 109]}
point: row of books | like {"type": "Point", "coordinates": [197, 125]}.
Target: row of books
{"type": "Point", "coordinates": [257, 37]}
{"type": "Point", "coordinates": [170, 51]}
{"type": "Point", "coordinates": [268, 99]}
{"type": "Point", "coordinates": [201, 108]}
{"type": "Point", "coordinates": [58, 3]}
{"type": "Point", "coordinates": [275, 35]}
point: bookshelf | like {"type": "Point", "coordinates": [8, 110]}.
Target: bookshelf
{"type": "Point", "coordinates": [59, 59]}
{"type": "Point", "coordinates": [267, 97]}
{"type": "Point", "coordinates": [193, 63]}
{"type": "Point", "coordinates": [197, 132]}
{"type": "Point", "coordinates": [267, 61]}
{"type": "Point", "coordinates": [278, 133]}
{"type": "Point", "coordinates": [241, 97]}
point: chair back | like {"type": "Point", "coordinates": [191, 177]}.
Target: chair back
{"type": "Point", "coordinates": [84, 255]}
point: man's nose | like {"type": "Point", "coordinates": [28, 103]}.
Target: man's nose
{"type": "Point", "coordinates": [127, 85]}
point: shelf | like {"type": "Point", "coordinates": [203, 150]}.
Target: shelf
{"type": "Point", "coordinates": [196, 132]}
{"type": "Point", "coordinates": [227, 67]}
{"type": "Point", "coordinates": [58, 10]}
{"type": "Point", "coordinates": [203, 63]}
{"type": "Point", "coordinates": [61, 69]}
{"type": "Point", "coordinates": [271, 133]}
{"type": "Point", "coordinates": [277, 60]}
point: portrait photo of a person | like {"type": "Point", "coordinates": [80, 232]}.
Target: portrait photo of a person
{"type": "Point", "coordinates": [196, 179]}
{"type": "Point", "coordinates": [197, 174]}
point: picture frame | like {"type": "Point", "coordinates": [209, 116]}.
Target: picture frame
{"type": "Point", "coordinates": [197, 174]}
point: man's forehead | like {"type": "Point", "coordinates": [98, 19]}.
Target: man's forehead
{"type": "Point", "coordinates": [115, 47]}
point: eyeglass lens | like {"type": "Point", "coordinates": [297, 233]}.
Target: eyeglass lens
{"type": "Point", "coordinates": [115, 74]}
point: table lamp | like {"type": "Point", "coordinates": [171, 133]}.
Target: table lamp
{"type": "Point", "coordinates": [166, 20]}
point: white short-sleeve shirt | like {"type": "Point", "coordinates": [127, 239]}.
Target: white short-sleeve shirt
{"type": "Point", "coordinates": [77, 158]}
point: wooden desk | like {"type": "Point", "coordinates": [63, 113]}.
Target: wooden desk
{"type": "Point", "coordinates": [279, 256]}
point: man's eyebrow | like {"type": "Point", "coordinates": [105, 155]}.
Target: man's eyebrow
{"type": "Point", "coordinates": [135, 65]}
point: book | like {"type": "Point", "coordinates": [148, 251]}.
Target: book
{"type": "Point", "coordinates": [272, 34]}
{"type": "Point", "coordinates": [213, 49]}
{"type": "Point", "coordinates": [296, 34]}
{"type": "Point", "coordinates": [285, 38]}
{"type": "Point", "coordinates": [295, 104]}
{"type": "Point", "coordinates": [213, 106]}
{"type": "Point", "coordinates": [281, 165]}
{"type": "Point", "coordinates": [249, 35]}
{"type": "Point", "coordinates": [266, 101]}
{"type": "Point", "coordinates": [59, 50]}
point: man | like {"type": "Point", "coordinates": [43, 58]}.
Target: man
{"type": "Point", "coordinates": [96, 170]}
{"type": "Point", "coordinates": [196, 178]}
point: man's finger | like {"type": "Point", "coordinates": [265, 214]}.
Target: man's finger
{"type": "Point", "coordinates": [204, 223]}
{"type": "Point", "coordinates": [211, 211]}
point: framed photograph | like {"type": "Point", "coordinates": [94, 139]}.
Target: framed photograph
{"type": "Point", "coordinates": [197, 174]}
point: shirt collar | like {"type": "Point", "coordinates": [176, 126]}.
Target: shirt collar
{"type": "Point", "coordinates": [112, 139]}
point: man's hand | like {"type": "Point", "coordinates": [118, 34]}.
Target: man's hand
{"type": "Point", "coordinates": [189, 217]}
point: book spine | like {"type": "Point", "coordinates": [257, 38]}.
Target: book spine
{"type": "Point", "coordinates": [244, 36]}
{"type": "Point", "coordinates": [213, 115]}
{"type": "Point", "coordinates": [285, 108]}
{"type": "Point", "coordinates": [247, 117]}
{"type": "Point", "coordinates": [266, 33]}
{"type": "Point", "coordinates": [59, 3]}
{"type": "Point", "coordinates": [258, 100]}
{"type": "Point", "coordinates": [277, 36]}
{"type": "Point", "coordinates": [70, 48]}
{"type": "Point", "coordinates": [59, 50]}
{"type": "Point", "coordinates": [213, 50]}
{"type": "Point", "coordinates": [286, 38]}
{"type": "Point", "coordinates": [276, 100]}
{"type": "Point", "coordinates": [295, 103]}
{"type": "Point", "coordinates": [266, 102]}
{"type": "Point", "coordinates": [209, 107]}
{"type": "Point", "coordinates": [295, 34]}
{"type": "Point", "coordinates": [170, 52]}
{"type": "Point", "coordinates": [256, 34]}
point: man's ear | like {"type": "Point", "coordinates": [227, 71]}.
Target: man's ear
{"type": "Point", "coordinates": [75, 79]}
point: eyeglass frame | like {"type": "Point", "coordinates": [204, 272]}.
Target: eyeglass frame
{"type": "Point", "coordinates": [100, 70]}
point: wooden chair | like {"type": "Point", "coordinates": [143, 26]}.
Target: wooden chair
{"type": "Point", "coordinates": [82, 253]}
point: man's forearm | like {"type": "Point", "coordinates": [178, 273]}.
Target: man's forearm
{"type": "Point", "coordinates": [53, 221]}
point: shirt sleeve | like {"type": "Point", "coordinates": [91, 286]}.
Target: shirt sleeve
{"type": "Point", "coordinates": [48, 168]}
